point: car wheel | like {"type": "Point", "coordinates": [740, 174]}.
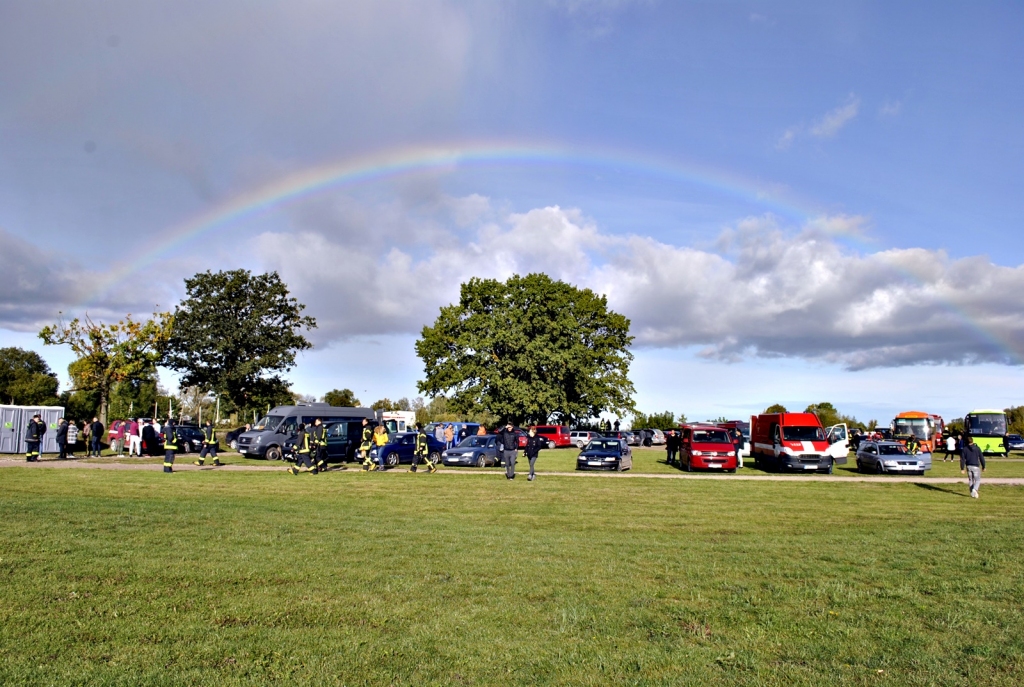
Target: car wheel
{"type": "Point", "coordinates": [689, 466]}
{"type": "Point", "coordinates": [234, 445]}
{"type": "Point", "coordinates": [618, 466]}
{"type": "Point", "coordinates": [831, 467]}
{"type": "Point", "coordinates": [551, 444]}
{"type": "Point", "coordinates": [434, 458]}
{"type": "Point", "coordinates": [274, 453]}
{"type": "Point", "coordinates": [391, 459]}
{"type": "Point", "coordinates": [860, 468]}
{"type": "Point", "coordinates": [481, 462]}
{"type": "Point", "coordinates": [731, 470]}
{"type": "Point", "coordinates": [879, 470]}
{"type": "Point", "coordinates": [579, 445]}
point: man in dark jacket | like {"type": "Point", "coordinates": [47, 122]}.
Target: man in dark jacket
{"type": "Point", "coordinates": [62, 439]}
{"type": "Point", "coordinates": [671, 446]}
{"type": "Point", "coordinates": [149, 442]}
{"type": "Point", "coordinates": [95, 436]}
{"type": "Point", "coordinates": [508, 444]}
{"type": "Point", "coordinates": [209, 446]}
{"type": "Point", "coordinates": [533, 447]}
{"type": "Point", "coordinates": [972, 461]}
{"type": "Point", "coordinates": [33, 437]}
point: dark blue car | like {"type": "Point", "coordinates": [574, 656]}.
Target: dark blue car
{"type": "Point", "coordinates": [401, 447]}
{"type": "Point", "coordinates": [605, 454]}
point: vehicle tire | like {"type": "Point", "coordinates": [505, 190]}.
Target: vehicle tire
{"type": "Point", "coordinates": [689, 467]}
{"type": "Point", "coordinates": [860, 467]}
{"type": "Point", "coordinates": [234, 445]}
{"type": "Point", "coordinates": [551, 444]}
{"type": "Point", "coordinates": [580, 445]}
{"type": "Point", "coordinates": [434, 457]}
{"type": "Point", "coordinates": [391, 459]}
{"type": "Point", "coordinates": [878, 468]}
{"type": "Point", "coordinates": [274, 453]}
{"type": "Point", "coordinates": [481, 462]}
{"type": "Point", "coordinates": [618, 466]}
{"type": "Point", "coordinates": [731, 471]}
{"type": "Point", "coordinates": [831, 467]}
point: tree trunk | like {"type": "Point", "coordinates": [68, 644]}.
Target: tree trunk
{"type": "Point", "coordinates": [104, 393]}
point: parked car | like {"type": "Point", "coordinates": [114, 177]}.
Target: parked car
{"type": "Point", "coordinates": [231, 438]}
{"type": "Point", "coordinates": [890, 457]}
{"type": "Point", "coordinates": [582, 437]}
{"type": "Point", "coordinates": [402, 448]}
{"type": "Point", "coordinates": [605, 453]}
{"type": "Point", "coordinates": [343, 439]}
{"type": "Point", "coordinates": [706, 447]}
{"type": "Point", "coordinates": [1014, 442]}
{"type": "Point", "coordinates": [558, 436]}
{"type": "Point", "coordinates": [190, 438]}
{"type": "Point", "coordinates": [476, 451]}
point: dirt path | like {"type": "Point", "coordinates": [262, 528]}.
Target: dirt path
{"type": "Point", "coordinates": [188, 467]}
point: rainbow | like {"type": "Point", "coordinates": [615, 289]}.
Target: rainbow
{"type": "Point", "coordinates": [396, 162]}
{"type": "Point", "coordinates": [410, 160]}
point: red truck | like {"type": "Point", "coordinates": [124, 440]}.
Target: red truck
{"type": "Point", "coordinates": [793, 441]}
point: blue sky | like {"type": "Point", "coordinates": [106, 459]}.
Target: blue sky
{"type": "Point", "coordinates": [791, 202]}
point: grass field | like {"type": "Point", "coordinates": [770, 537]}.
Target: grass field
{"type": "Point", "coordinates": [351, 578]}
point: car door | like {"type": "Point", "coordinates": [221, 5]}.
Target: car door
{"type": "Point", "coordinates": [337, 441]}
{"type": "Point", "coordinates": [838, 442]}
{"type": "Point", "coordinates": [869, 456]}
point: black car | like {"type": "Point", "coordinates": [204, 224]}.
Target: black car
{"type": "Point", "coordinates": [231, 438]}
{"type": "Point", "coordinates": [605, 454]}
{"type": "Point", "coordinates": [190, 438]}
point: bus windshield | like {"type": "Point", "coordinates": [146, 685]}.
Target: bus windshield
{"type": "Point", "coordinates": [269, 422]}
{"type": "Point", "coordinates": [919, 427]}
{"type": "Point", "coordinates": [987, 424]}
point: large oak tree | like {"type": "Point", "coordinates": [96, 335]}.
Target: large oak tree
{"type": "Point", "coordinates": [529, 349]}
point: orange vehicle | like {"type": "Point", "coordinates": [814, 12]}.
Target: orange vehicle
{"type": "Point", "coordinates": [926, 427]}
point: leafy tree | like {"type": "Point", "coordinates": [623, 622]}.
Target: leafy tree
{"type": "Point", "coordinates": [134, 397]}
{"type": "Point", "coordinates": [663, 420]}
{"type": "Point", "coordinates": [109, 353]}
{"type": "Point", "coordinates": [388, 404]}
{"type": "Point", "coordinates": [235, 330]}
{"type": "Point", "coordinates": [1015, 420]}
{"type": "Point", "coordinates": [341, 398]}
{"type": "Point", "coordinates": [26, 379]}
{"type": "Point", "coordinates": [527, 350]}
{"type": "Point", "coordinates": [828, 415]}
{"type": "Point", "coordinates": [956, 426]}
{"type": "Point", "coordinates": [776, 408]}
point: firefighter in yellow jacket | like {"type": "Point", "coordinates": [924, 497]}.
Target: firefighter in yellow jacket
{"type": "Point", "coordinates": [422, 450]}
{"type": "Point", "coordinates": [170, 444]}
{"type": "Point", "coordinates": [303, 459]}
{"type": "Point", "coordinates": [365, 444]}
{"type": "Point", "coordinates": [209, 445]}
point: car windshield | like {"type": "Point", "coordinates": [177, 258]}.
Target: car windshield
{"type": "Point", "coordinates": [918, 427]}
{"type": "Point", "coordinates": [269, 422]}
{"type": "Point", "coordinates": [891, 449]}
{"type": "Point", "coordinates": [711, 436]}
{"type": "Point", "coordinates": [987, 424]}
{"type": "Point", "coordinates": [803, 434]}
{"type": "Point", "coordinates": [603, 445]}
{"type": "Point", "coordinates": [473, 442]}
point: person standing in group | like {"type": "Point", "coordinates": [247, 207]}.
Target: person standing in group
{"type": "Point", "coordinates": [508, 444]}
{"type": "Point", "coordinates": [534, 444]}
{"type": "Point", "coordinates": [671, 447]}
{"type": "Point", "coordinates": [33, 438]}
{"type": "Point", "coordinates": [95, 437]}
{"type": "Point", "coordinates": [120, 437]}
{"type": "Point", "coordinates": [72, 437]}
{"type": "Point", "coordinates": [737, 439]}
{"type": "Point", "coordinates": [439, 432]}
{"type": "Point", "coordinates": [481, 431]}
{"type": "Point", "coordinates": [303, 448]}
{"type": "Point", "coordinates": [380, 440]}
{"type": "Point", "coordinates": [972, 461]}
{"type": "Point", "coordinates": [318, 445]}
{"type": "Point", "coordinates": [950, 448]}
{"type": "Point", "coordinates": [149, 438]}
{"type": "Point", "coordinates": [422, 450]}
{"type": "Point", "coordinates": [62, 439]}
{"type": "Point", "coordinates": [365, 444]}
{"type": "Point", "coordinates": [170, 444]}
{"type": "Point", "coordinates": [209, 446]}
{"type": "Point", "coordinates": [449, 435]}
{"type": "Point", "coordinates": [134, 439]}
{"type": "Point", "coordinates": [461, 435]}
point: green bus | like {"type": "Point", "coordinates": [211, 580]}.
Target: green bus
{"type": "Point", "coordinates": [988, 429]}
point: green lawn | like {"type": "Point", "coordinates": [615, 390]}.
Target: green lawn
{"type": "Point", "coordinates": [215, 578]}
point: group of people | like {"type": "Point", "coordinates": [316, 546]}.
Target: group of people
{"type": "Point", "coordinates": [66, 434]}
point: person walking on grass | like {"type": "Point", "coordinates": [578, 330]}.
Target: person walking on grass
{"type": "Point", "coordinates": [671, 446]}
{"type": "Point", "coordinates": [533, 447]}
{"type": "Point", "coordinates": [170, 444]}
{"type": "Point", "coordinates": [508, 444]}
{"type": "Point", "coordinates": [950, 448]}
{"type": "Point", "coordinates": [422, 450]}
{"type": "Point", "coordinates": [380, 440]}
{"type": "Point", "coordinates": [972, 461]}
{"type": "Point", "coordinates": [303, 458]}
{"type": "Point", "coordinates": [366, 443]}
{"type": "Point", "coordinates": [209, 446]}
{"type": "Point", "coordinates": [33, 437]}
{"type": "Point", "coordinates": [95, 437]}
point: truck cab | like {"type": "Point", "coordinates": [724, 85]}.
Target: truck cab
{"type": "Point", "coordinates": [795, 441]}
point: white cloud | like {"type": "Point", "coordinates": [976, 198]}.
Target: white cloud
{"type": "Point", "coordinates": [768, 291]}
{"type": "Point", "coordinates": [829, 125]}
{"type": "Point", "coordinates": [890, 108]}
{"type": "Point", "coordinates": [787, 138]}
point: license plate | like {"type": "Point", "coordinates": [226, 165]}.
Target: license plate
{"type": "Point", "coordinates": [594, 462]}
{"type": "Point", "coordinates": [810, 467]}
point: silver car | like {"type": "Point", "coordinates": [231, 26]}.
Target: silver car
{"type": "Point", "coordinates": [479, 451]}
{"type": "Point", "coordinates": [882, 457]}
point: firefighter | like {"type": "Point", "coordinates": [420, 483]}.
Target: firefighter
{"type": "Point", "coordinates": [170, 444]}
{"type": "Point", "coordinates": [303, 447]}
{"type": "Point", "coordinates": [318, 445]}
{"type": "Point", "coordinates": [366, 443]}
{"type": "Point", "coordinates": [33, 437]}
{"type": "Point", "coordinates": [422, 450]}
{"type": "Point", "coordinates": [209, 445]}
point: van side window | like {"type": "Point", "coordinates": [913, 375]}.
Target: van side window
{"type": "Point", "coordinates": [288, 426]}
{"type": "Point", "coordinates": [339, 430]}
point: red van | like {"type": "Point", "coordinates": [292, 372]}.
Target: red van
{"type": "Point", "coordinates": [706, 447]}
{"type": "Point", "coordinates": [557, 435]}
{"type": "Point", "coordinates": [791, 441]}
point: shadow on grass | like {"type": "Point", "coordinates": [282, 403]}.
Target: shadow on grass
{"type": "Point", "coordinates": [933, 487]}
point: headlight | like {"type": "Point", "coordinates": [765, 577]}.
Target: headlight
{"type": "Point", "coordinates": [444, 454]}
{"type": "Point", "coordinates": [889, 463]}
{"type": "Point", "coordinates": [609, 459]}
{"type": "Point", "coordinates": [698, 453]}
{"type": "Point", "coordinates": [259, 438]}
{"type": "Point", "coordinates": [373, 452]}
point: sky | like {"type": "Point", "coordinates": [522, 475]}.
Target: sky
{"type": "Point", "coordinates": [792, 202]}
